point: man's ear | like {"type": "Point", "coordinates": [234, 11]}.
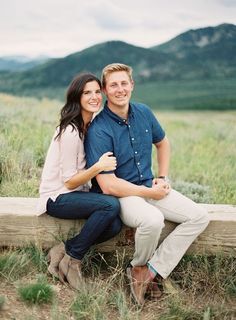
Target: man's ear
{"type": "Point", "coordinates": [104, 91]}
{"type": "Point", "coordinates": [132, 83]}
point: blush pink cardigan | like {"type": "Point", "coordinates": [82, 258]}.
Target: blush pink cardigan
{"type": "Point", "coordinates": [65, 158]}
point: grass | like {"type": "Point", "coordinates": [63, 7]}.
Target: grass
{"type": "Point", "coordinates": [208, 94]}
{"type": "Point", "coordinates": [204, 289]}
{"type": "Point", "coordinates": [203, 152]}
{"type": "Point", "coordinates": [202, 166]}
{"type": "Point", "coordinates": [36, 293]}
{"type": "Point", "coordinates": [203, 148]}
{"type": "Point", "coordinates": [176, 310]}
{"type": "Point", "coordinates": [16, 263]}
{"type": "Point", "coordinates": [2, 301]}
{"type": "Point", "coordinates": [99, 300]}
{"type": "Point", "coordinates": [13, 265]}
{"type": "Point", "coordinates": [204, 274]}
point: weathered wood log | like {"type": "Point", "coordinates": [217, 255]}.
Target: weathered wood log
{"type": "Point", "coordinates": [19, 226]}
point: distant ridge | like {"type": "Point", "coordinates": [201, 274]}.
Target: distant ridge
{"type": "Point", "coordinates": [205, 53]}
{"type": "Point", "coordinates": [20, 63]}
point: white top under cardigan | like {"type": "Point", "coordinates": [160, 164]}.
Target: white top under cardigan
{"type": "Point", "coordinates": [65, 158]}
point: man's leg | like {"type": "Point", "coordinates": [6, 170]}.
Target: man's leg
{"type": "Point", "coordinates": [192, 219]}
{"type": "Point", "coordinates": [148, 221]}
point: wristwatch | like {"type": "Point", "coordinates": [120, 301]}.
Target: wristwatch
{"type": "Point", "coordinates": [165, 178]}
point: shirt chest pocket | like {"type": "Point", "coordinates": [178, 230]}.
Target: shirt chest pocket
{"type": "Point", "coordinates": [146, 137]}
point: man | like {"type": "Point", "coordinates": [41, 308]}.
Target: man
{"type": "Point", "coordinates": [129, 130]}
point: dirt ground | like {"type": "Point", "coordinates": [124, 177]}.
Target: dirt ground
{"type": "Point", "coordinates": [222, 307]}
{"type": "Point", "coordinates": [15, 309]}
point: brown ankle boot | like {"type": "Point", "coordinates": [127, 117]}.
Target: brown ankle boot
{"type": "Point", "coordinates": [70, 271]}
{"type": "Point", "coordinates": [55, 255]}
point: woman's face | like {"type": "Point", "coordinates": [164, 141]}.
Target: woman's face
{"type": "Point", "coordinates": [91, 98]}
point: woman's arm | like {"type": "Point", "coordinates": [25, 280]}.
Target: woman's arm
{"type": "Point", "coordinates": [73, 173]}
{"type": "Point", "coordinates": [106, 163]}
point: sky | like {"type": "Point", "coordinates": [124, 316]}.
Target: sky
{"type": "Point", "coordinates": [56, 28]}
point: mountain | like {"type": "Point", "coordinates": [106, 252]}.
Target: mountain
{"type": "Point", "coordinates": [206, 53]}
{"type": "Point", "coordinates": [59, 72]}
{"type": "Point", "coordinates": [20, 63]}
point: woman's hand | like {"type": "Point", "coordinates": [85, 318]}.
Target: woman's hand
{"type": "Point", "coordinates": [107, 162]}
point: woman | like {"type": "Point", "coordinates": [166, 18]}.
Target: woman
{"type": "Point", "coordinates": [64, 189]}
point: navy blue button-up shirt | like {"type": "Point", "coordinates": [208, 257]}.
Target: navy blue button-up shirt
{"type": "Point", "coordinates": [130, 141]}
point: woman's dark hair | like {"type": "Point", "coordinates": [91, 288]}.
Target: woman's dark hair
{"type": "Point", "coordinates": [71, 112]}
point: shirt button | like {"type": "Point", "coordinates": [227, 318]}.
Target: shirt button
{"type": "Point", "coordinates": [129, 126]}
{"type": "Point", "coordinates": [138, 163]}
{"type": "Point", "coordinates": [146, 130]}
{"type": "Point", "coordinates": [132, 139]}
{"type": "Point", "coordinates": [141, 175]}
{"type": "Point", "coordinates": [135, 152]}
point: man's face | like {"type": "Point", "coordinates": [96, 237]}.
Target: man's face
{"type": "Point", "coordinates": [118, 89]}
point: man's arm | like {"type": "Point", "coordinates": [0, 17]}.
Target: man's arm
{"type": "Point", "coordinates": [163, 156]}
{"type": "Point", "coordinates": [112, 185]}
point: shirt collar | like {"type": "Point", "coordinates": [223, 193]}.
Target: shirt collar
{"type": "Point", "coordinates": [117, 118]}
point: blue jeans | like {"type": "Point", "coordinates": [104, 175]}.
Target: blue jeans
{"type": "Point", "coordinates": [100, 211]}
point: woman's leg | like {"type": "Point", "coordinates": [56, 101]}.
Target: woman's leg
{"type": "Point", "coordinates": [112, 230]}
{"type": "Point", "coordinates": [99, 211]}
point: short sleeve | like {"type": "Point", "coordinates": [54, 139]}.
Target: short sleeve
{"type": "Point", "coordinates": [97, 142]}
{"type": "Point", "coordinates": [158, 133]}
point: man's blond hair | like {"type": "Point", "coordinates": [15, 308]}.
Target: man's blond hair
{"type": "Point", "coordinates": [113, 67]}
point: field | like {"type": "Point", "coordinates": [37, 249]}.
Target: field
{"type": "Point", "coordinates": [207, 94]}
{"type": "Point", "coordinates": [203, 167]}
{"type": "Point", "coordinates": [211, 94]}
{"type": "Point", "coordinates": [203, 148]}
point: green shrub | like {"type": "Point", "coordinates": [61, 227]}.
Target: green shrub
{"type": "Point", "coordinates": [36, 293]}
{"type": "Point", "coordinates": [194, 191]}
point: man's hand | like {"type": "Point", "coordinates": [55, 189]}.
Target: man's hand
{"type": "Point", "coordinates": [160, 181]}
{"type": "Point", "coordinates": [160, 189]}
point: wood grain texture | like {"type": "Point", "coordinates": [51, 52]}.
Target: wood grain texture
{"type": "Point", "coordinates": [19, 226]}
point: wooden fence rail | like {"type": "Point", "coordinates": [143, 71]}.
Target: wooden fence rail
{"type": "Point", "coordinates": [19, 226]}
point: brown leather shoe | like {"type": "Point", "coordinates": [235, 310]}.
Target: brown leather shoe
{"type": "Point", "coordinates": [70, 271]}
{"type": "Point", "coordinates": [139, 278]}
{"type": "Point", "coordinates": [55, 255]}
{"type": "Point", "coordinates": [154, 290]}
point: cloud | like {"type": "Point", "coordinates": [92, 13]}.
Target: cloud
{"type": "Point", "coordinates": [108, 15]}
{"type": "Point", "coordinates": [227, 3]}
{"type": "Point", "coordinates": [61, 27]}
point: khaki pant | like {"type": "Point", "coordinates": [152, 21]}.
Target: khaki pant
{"type": "Point", "coordinates": [147, 216]}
